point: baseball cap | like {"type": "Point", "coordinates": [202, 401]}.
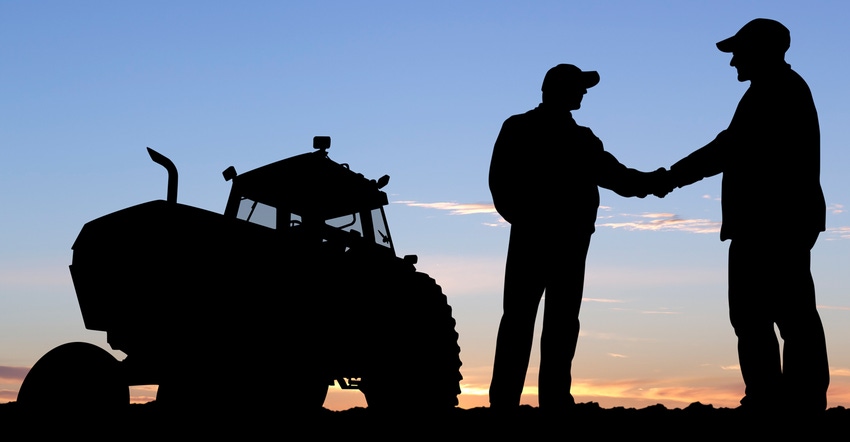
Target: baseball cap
{"type": "Point", "coordinates": [569, 75]}
{"type": "Point", "coordinates": [762, 34]}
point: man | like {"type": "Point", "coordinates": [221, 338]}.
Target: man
{"type": "Point", "coordinates": [544, 174]}
{"type": "Point", "coordinates": [770, 160]}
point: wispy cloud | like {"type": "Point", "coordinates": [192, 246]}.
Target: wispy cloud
{"type": "Point", "coordinates": [8, 396]}
{"type": "Point", "coordinates": [602, 300]}
{"type": "Point", "coordinates": [838, 232]}
{"type": "Point", "coordinates": [476, 380]}
{"type": "Point", "coordinates": [142, 394]}
{"type": "Point", "coordinates": [603, 336]}
{"type": "Point", "coordinates": [723, 391]}
{"type": "Point", "coordinates": [724, 388]}
{"type": "Point", "coordinates": [10, 381]}
{"type": "Point", "coordinates": [644, 221]}
{"type": "Point", "coordinates": [833, 307]}
{"type": "Point", "coordinates": [13, 374]}
{"type": "Point", "coordinates": [661, 311]}
{"type": "Point", "coordinates": [14, 377]}
{"type": "Point", "coordinates": [672, 392]}
{"type": "Point", "coordinates": [843, 372]}
{"type": "Point", "coordinates": [660, 222]}
{"type": "Point", "coordinates": [721, 387]}
{"type": "Point", "coordinates": [454, 208]}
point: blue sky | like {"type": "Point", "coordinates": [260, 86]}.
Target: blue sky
{"type": "Point", "coordinates": [417, 91]}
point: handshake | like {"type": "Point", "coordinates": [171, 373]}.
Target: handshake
{"type": "Point", "coordinates": [658, 183]}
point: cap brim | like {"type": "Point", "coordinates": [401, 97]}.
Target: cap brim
{"type": "Point", "coordinates": [727, 45]}
{"type": "Point", "coordinates": [590, 78]}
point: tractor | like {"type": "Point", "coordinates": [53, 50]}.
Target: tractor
{"type": "Point", "coordinates": [294, 288]}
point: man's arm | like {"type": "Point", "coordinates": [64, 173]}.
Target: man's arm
{"type": "Point", "coordinates": [500, 181]}
{"type": "Point", "coordinates": [704, 162]}
{"type": "Point", "coordinates": [628, 182]}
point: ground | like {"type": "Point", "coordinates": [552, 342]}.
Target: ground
{"type": "Point", "coordinates": [695, 422]}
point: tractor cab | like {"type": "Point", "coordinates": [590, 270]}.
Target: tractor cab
{"type": "Point", "coordinates": [311, 195]}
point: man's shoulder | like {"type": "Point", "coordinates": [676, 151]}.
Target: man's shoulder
{"type": "Point", "coordinates": [786, 80]}
{"type": "Point", "coordinates": [525, 116]}
{"type": "Point", "coordinates": [522, 122]}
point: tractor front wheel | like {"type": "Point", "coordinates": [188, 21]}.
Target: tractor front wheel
{"type": "Point", "coordinates": [76, 376]}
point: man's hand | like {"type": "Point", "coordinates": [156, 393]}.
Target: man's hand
{"type": "Point", "coordinates": [661, 183]}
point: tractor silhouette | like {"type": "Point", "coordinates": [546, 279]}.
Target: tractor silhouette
{"type": "Point", "coordinates": [295, 287]}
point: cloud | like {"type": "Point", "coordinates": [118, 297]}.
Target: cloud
{"type": "Point", "coordinates": [617, 355]}
{"type": "Point", "coordinates": [832, 307]}
{"type": "Point", "coordinates": [843, 372]}
{"type": "Point", "coordinates": [839, 232]}
{"type": "Point", "coordinates": [11, 378]}
{"type": "Point", "coordinates": [142, 394]}
{"type": "Point", "coordinates": [13, 374]}
{"type": "Point", "coordinates": [671, 391]}
{"type": "Point", "coordinates": [645, 221]}
{"type": "Point", "coordinates": [454, 208]}
{"type": "Point", "coordinates": [603, 336]}
{"type": "Point", "coordinates": [658, 222]}
{"type": "Point", "coordinates": [462, 209]}
{"type": "Point", "coordinates": [661, 222]}
{"type": "Point", "coordinates": [602, 300]}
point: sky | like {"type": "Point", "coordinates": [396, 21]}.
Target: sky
{"type": "Point", "coordinates": [418, 91]}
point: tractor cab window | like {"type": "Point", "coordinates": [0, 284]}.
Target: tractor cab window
{"type": "Point", "coordinates": [382, 231]}
{"type": "Point", "coordinates": [373, 228]}
{"type": "Point", "coordinates": [257, 213]}
{"type": "Point", "coordinates": [347, 223]}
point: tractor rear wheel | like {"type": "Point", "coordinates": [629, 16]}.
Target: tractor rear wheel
{"type": "Point", "coordinates": [419, 359]}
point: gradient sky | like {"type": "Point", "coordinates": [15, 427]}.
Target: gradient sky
{"type": "Point", "coordinates": [417, 91]}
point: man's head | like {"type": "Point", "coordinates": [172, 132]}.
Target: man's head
{"type": "Point", "coordinates": [564, 86]}
{"type": "Point", "coordinates": [758, 46]}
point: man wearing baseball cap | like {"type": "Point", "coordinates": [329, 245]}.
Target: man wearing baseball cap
{"type": "Point", "coordinates": [773, 210]}
{"type": "Point", "coordinates": [544, 178]}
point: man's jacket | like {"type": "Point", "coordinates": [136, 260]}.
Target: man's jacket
{"type": "Point", "coordinates": [770, 160]}
{"type": "Point", "coordinates": [545, 170]}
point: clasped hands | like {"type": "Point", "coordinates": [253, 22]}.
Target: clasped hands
{"type": "Point", "coordinates": [659, 182]}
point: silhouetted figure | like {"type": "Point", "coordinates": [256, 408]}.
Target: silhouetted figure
{"type": "Point", "coordinates": [544, 175]}
{"type": "Point", "coordinates": [770, 160]}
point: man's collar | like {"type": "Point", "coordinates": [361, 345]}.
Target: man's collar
{"type": "Point", "coordinates": [555, 114]}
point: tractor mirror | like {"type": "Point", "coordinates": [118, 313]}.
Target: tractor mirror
{"type": "Point", "coordinates": [383, 181]}
{"type": "Point", "coordinates": [229, 173]}
{"type": "Point", "coordinates": [322, 143]}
